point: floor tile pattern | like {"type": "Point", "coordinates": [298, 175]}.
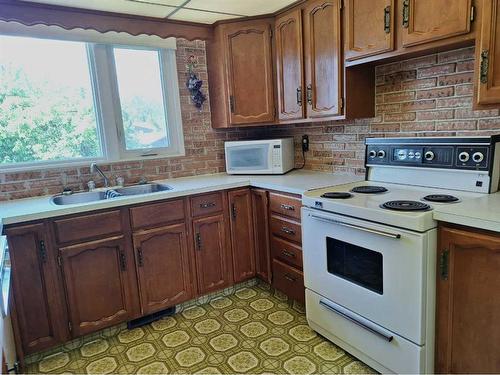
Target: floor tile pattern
{"type": "Point", "coordinates": [255, 330]}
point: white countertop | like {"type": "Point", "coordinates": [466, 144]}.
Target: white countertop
{"type": "Point", "coordinates": [481, 213]}
{"type": "Point", "coordinates": [297, 182]}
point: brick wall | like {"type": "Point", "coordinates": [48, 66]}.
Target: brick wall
{"type": "Point", "coordinates": [425, 96]}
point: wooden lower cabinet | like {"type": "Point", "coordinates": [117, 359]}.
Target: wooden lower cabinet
{"type": "Point", "coordinates": [163, 268]}
{"type": "Point", "coordinates": [212, 253]}
{"type": "Point", "coordinates": [242, 238]}
{"type": "Point", "coordinates": [260, 208]}
{"type": "Point", "coordinates": [468, 303]}
{"type": "Point", "coordinates": [289, 280]}
{"type": "Point", "coordinates": [37, 311]}
{"type": "Point", "coordinates": [98, 280]}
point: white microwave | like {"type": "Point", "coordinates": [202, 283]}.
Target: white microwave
{"type": "Point", "coordinates": [273, 156]}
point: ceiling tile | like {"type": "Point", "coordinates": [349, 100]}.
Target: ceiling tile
{"type": "Point", "coordinates": [190, 15]}
{"type": "Point", "coordinates": [245, 7]}
{"type": "Point", "coordinates": [118, 6]}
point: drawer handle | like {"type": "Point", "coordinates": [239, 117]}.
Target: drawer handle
{"type": "Point", "coordinates": [207, 205]}
{"type": "Point", "coordinates": [288, 231]}
{"type": "Point", "coordinates": [288, 254]}
{"type": "Point", "coordinates": [287, 207]}
{"type": "Point", "coordinates": [290, 278]}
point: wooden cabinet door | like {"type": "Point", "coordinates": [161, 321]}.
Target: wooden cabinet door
{"type": "Point", "coordinates": [250, 72]}
{"type": "Point", "coordinates": [36, 303]}
{"type": "Point", "coordinates": [290, 66]}
{"type": "Point", "coordinates": [488, 65]}
{"type": "Point", "coordinates": [429, 20]}
{"type": "Point", "coordinates": [260, 206]}
{"type": "Point", "coordinates": [211, 252]}
{"type": "Point", "coordinates": [242, 239]}
{"type": "Point", "coordinates": [468, 303]}
{"type": "Point", "coordinates": [369, 28]}
{"type": "Point", "coordinates": [162, 267]}
{"type": "Point", "coordinates": [98, 277]}
{"type": "Point", "coordinates": [322, 50]}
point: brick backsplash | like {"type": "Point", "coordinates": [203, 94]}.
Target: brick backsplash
{"type": "Point", "coordinates": [420, 97]}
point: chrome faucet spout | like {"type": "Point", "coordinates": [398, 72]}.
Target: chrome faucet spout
{"type": "Point", "coordinates": [95, 168]}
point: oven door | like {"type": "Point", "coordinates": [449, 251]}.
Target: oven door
{"type": "Point", "coordinates": [372, 270]}
{"type": "Point", "coordinates": [251, 158]}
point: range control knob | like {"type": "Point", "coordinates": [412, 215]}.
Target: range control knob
{"type": "Point", "coordinates": [381, 154]}
{"type": "Point", "coordinates": [464, 157]}
{"type": "Point", "coordinates": [478, 157]}
{"type": "Point", "coordinates": [372, 154]}
{"type": "Point", "coordinates": [429, 155]}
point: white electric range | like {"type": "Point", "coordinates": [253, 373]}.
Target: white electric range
{"type": "Point", "coordinates": [369, 247]}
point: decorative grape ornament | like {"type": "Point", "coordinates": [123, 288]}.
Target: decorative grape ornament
{"type": "Point", "coordinates": [194, 84]}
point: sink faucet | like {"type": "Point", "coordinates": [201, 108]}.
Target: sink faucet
{"type": "Point", "coordinates": [94, 168]}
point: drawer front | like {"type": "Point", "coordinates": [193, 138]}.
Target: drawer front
{"type": "Point", "coordinates": [288, 280]}
{"type": "Point", "coordinates": [158, 213]}
{"type": "Point", "coordinates": [285, 205]}
{"type": "Point", "coordinates": [286, 252]}
{"type": "Point", "coordinates": [82, 228]}
{"type": "Point", "coordinates": [206, 204]}
{"type": "Point", "coordinates": [285, 228]}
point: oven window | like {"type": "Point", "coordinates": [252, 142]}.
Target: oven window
{"type": "Point", "coordinates": [355, 264]}
{"type": "Point", "coordinates": [253, 157]}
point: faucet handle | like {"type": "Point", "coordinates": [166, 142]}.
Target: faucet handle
{"type": "Point", "coordinates": [91, 185]}
{"type": "Point", "coordinates": [143, 181]}
{"type": "Point", "coordinates": [120, 181]}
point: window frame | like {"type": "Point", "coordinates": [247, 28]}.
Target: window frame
{"type": "Point", "coordinates": [108, 112]}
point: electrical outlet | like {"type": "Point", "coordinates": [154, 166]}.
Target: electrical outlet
{"type": "Point", "coordinates": [305, 143]}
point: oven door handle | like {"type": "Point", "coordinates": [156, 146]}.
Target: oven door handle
{"type": "Point", "coordinates": [396, 236]}
{"type": "Point", "coordinates": [352, 318]}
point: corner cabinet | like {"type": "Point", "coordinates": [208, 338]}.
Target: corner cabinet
{"type": "Point", "coordinates": [38, 316]}
{"type": "Point", "coordinates": [468, 307]}
{"type": "Point", "coordinates": [488, 55]}
{"type": "Point", "coordinates": [240, 68]}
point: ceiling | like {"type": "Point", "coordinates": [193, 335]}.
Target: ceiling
{"type": "Point", "coordinates": [202, 11]}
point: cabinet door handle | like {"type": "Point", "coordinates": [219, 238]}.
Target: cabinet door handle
{"type": "Point", "coordinates": [288, 230]}
{"type": "Point", "coordinates": [387, 19]}
{"type": "Point", "coordinates": [406, 13]}
{"type": "Point", "coordinates": [309, 94]}
{"type": "Point", "coordinates": [43, 251]}
{"type": "Point", "coordinates": [299, 96]}
{"type": "Point", "coordinates": [233, 210]}
{"type": "Point", "coordinates": [140, 257]}
{"type": "Point", "coordinates": [443, 264]}
{"type": "Point", "coordinates": [287, 207]}
{"type": "Point", "coordinates": [207, 205]}
{"type": "Point", "coordinates": [198, 241]}
{"type": "Point", "coordinates": [288, 254]}
{"type": "Point", "coordinates": [290, 278]}
{"type": "Point", "coordinates": [485, 64]}
{"type": "Point", "coordinates": [123, 261]}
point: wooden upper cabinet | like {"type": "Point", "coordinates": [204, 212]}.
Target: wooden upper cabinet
{"type": "Point", "coordinates": [369, 28]}
{"type": "Point", "coordinates": [488, 52]}
{"type": "Point", "coordinates": [242, 239]}
{"type": "Point", "coordinates": [468, 307]}
{"type": "Point", "coordinates": [248, 51]}
{"type": "Point", "coordinates": [162, 267]}
{"type": "Point", "coordinates": [98, 279]}
{"type": "Point", "coordinates": [290, 66]}
{"type": "Point", "coordinates": [425, 21]}
{"type": "Point", "coordinates": [260, 208]}
{"type": "Point", "coordinates": [323, 58]}
{"type": "Point", "coordinates": [213, 268]}
{"type": "Point", "coordinates": [37, 316]}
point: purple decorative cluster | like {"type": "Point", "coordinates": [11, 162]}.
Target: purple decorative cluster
{"type": "Point", "coordinates": [194, 86]}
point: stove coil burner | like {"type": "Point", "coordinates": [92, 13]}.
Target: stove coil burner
{"type": "Point", "coordinates": [406, 206]}
{"type": "Point", "coordinates": [441, 198]}
{"type": "Point", "coordinates": [369, 189]}
{"type": "Point", "coordinates": [337, 195]}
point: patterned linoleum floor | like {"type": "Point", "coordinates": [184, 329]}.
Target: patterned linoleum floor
{"type": "Point", "coordinates": [255, 330]}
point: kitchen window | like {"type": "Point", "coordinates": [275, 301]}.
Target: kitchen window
{"type": "Point", "coordinates": [66, 102]}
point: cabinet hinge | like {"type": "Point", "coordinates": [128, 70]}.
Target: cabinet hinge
{"type": "Point", "coordinates": [59, 260]}
{"type": "Point", "coordinates": [443, 264]}
{"type": "Point", "coordinates": [341, 4]}
{"type": "Point", "coordinates": [341, 103]}
{"type": "Point", "coordinates": [472, 13]}
{"type": "Point", "coordinates": [231, 103]}
{"type": "Point", "coordinates": [70, 326]}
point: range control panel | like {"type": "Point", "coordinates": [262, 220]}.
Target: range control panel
{"type": "Point", "coordinates": [448, 153]}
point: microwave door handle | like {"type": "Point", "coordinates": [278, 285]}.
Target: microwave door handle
{"type": "Point", "coordinates": [395, 236]}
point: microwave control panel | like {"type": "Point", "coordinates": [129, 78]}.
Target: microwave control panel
{"type": "Point", "coordinates": [277, 156]}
